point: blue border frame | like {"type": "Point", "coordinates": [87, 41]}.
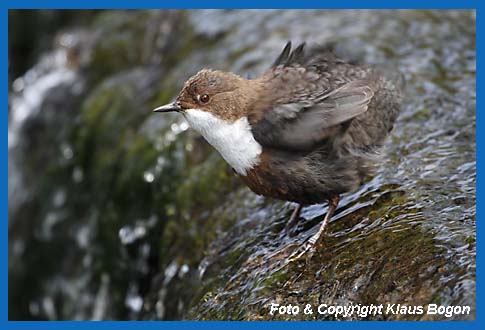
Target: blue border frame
{"type": "Point", "coordinates": [342, 4]}
{"type": "Point", "coordinates": [5, 5]}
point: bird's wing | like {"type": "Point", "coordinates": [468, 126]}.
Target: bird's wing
{"type": "Point", "coordinates": [307, 121]}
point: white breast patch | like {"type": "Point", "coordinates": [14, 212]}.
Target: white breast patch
{"type": "Point", "coordinates": [234, 141]}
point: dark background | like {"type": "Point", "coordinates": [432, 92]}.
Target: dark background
{"type": "Point", "coordinates": [117, 213]}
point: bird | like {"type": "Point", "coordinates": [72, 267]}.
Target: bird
{"type": "Point", "coordinates": [309, 129]}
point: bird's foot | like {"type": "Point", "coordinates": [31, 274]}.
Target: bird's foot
{"type": "Point", "coordinates": [311, 245]}
{"type": "Point", "coordinates": [308, 248]}
{"type": "Point", "coordinates": [314, 241]}
{"type": "Point", "coordinates": [295, 216]}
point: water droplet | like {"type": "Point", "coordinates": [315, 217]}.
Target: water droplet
{"type": "Point", "coordinates": [34, 308]}
{"type": "Point", "coordinates": [59, 198]}
{"type": "Point", "coordinates": [82, 237]}
{"type": "Point", "coordinates": [175, 128]}
{"type": "Point", "coordinates": [160, 308]}
{"type": "Point", "coordinates": [148, 176]}
{"type": "Point", "coordinates": [184, 126]}
{"type": "Point", "coordinates": [18, 85]}
{"type": "Point", "coordinates": [129, 235]}
{"type": "Point", "coordinates": [170, 272]}
{"type": "Point", "coordinates": [67, 151]}
{"type": "Point", "coordinates": [184, 269]}
{"type": "Point", "coordinates": [161, 161]}
{"type": "Point", "coordinates": [49, 308]}
{"type": "Point", "coordinates": [67, 40]}
{"type": "Point", "coordinates": [18, 247]}
{"type": "Point", "coordinates": [135, 303]}
{"type": "Point", "coordinates": [77, 174]}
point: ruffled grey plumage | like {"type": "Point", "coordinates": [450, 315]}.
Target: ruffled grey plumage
{"type": "Point", "coordinates": [324, 121]}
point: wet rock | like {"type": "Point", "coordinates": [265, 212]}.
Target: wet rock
{"type": "Point", "coordinates": [115, 213]}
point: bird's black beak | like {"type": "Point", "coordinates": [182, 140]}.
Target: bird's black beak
{"type": "Point", "coordinates": [174, 106]}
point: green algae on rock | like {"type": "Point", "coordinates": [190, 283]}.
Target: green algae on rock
{"type": "Point", "coordinates": [118, 214]}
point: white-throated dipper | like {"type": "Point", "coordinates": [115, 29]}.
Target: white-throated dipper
{"type": "Point", "coordinates": [307, 130]}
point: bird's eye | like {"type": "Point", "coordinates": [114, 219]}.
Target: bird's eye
{"type": "Point", "coordinates": [204, 98]}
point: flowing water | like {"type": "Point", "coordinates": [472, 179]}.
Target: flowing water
{"type": "Point", "coordinates": [116, 213]}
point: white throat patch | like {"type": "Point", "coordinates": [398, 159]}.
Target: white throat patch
{"type": "Point", "coordinates": [234, 141]}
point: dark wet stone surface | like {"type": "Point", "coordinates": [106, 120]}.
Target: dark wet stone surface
{"type": "Point", "coordinates": [115, 213]}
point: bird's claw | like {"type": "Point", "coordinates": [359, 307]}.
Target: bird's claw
{"type": "Point", "coordinates": [308, 249]}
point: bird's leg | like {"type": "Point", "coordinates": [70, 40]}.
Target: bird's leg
{"type": "Point", "coordinates": [295, 216]}
{"type": "Point", "coordinates": [317, 238]}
